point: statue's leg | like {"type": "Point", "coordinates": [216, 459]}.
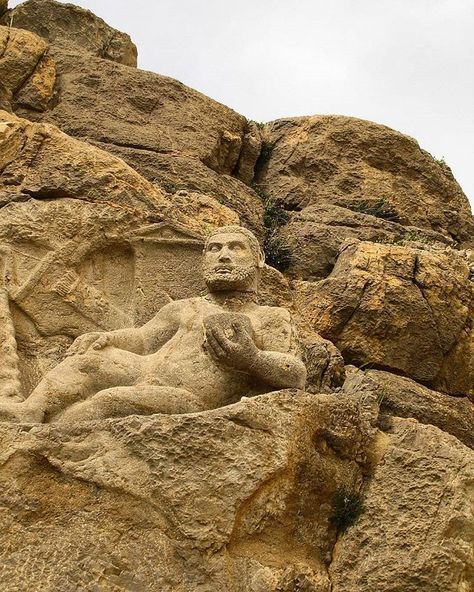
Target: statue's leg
{"type": "Point", "coordinates": [75, 379]}
{"type": "Point", "coordinates": [134, 400]}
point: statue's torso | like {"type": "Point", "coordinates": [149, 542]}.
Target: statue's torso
{"type": "Point", "coordinates": [183, 361]}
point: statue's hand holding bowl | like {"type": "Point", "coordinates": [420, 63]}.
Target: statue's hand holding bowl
{"type": "Point", "coordinates": [229, 340]}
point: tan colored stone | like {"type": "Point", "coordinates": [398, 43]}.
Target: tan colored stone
{"type": "Point", "coordinates": [181, 503]}
{"type": "Point", "coordinates": [416, 533]}
{"type": "Point", "coordinates": [65, 24]}
{"type": "Point", "coordinates": [174, 172]}
{"type": "Point", "coordinates": [38, 91]}
{"type": "Point", "coordinates": [403, 397]}
{"type": "Point", "coordinates": [204, 212]}
{"type": "Point", "coordinates": [111, 103]}
{"type": "Point", "coordinates": [194, 354]}
{"type": "Point", "coordinates": [38, 160]}
{"type": "Point", "coordinates": [315, 236]}
{"type": "Point", "coordinates": [395, 307]}
{"type": "Point", "coordinates": [354, 163]}
{"type": "Point", "coordinates": [20, 53]}
{"type": "Point", "coordinates": [251, 147]}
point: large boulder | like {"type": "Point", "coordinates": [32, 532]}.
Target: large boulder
{"type": "Point", "coordinates": [316, 234]}
{"type": "Point", "coordinates": [397, 307]}
{"type": "Point", "coordinates": [27, 71]}
{"type": "Point", "coordinates": [416, 533]}
{"type": "Point", "coordinates": [38, 160]}
{"type": "Point", "coordinates": [68, 25]}
{"type": "Point", "coordinates": [402, 397]}
{"type": "Point", "coordinates": [363, 166]}
{"type": "Point", "coordinates": [174, 136]}
{"type": "Point", "coordinates": [180, 503]}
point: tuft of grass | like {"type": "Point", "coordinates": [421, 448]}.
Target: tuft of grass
{"type": "Point", "coordinates": [265, 151]}
{"type": "Point", "coordinates": [347, 506]}
{"type": "Point", "coordinates": [416, 237]}
{"type": "Point", "coordinates": [378, 208]}
{"type": "Point", "coordinates": [259, 124]}
{"type": "Point", "coordinates": [274, 214]}
{"type": "Point", "coordinates": [277, 253]}
{"type": "Point", "coordinates": [170, 187]}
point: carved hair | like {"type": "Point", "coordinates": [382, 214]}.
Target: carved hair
{"type": "Point", "coordinates": [252, 239]}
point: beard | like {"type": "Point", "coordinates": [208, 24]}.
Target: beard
{"type": "Point", "coordinates": [236, 278]}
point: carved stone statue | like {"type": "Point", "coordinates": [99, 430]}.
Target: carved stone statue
{"type": "Point", "coordinates": [195, 354]}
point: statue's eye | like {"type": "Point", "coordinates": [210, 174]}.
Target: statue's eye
{"type": "Point", "coordinates": [214, 248]}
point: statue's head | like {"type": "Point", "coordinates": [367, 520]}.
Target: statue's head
{"type": "Point", "coordinates": [232, 260]}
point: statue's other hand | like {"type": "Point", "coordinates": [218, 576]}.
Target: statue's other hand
{"type": "Point", "coordinates": [87, 341]}
{"type": "Point", "coordinates": [238, 352]}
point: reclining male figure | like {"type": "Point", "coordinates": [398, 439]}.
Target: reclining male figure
{"type": "Point", "coordinates": [195, 354]}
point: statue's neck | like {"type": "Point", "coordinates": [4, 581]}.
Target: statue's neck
{"type": "Point", "coordinates": [232, 299]}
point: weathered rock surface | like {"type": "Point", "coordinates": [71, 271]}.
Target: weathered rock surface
{"type": "Point", "coordinates": [173, 172]}
{"type": "Point", "coordinates": [316, 234]}
{"type": "Point", "coordinates": [66, 25]}
{"type": "Point", "coordinates": [27, 71]}
{"type": "Point", "coordinates": [108, 183]}
{"type": "Point", "coordinates": [364, 166]}
{"type": "Point", "coordinates": [111, 103]}
{"type": "Point", "coordinates": [396, 307]}
{"type": "Point", "coordinates": [38, 160]}
{"type": "Point", "coordinates": [182, 503]}
{"type": "Point", "coordinates": [416, 534]}
{"type": "Point", "coordinates": [403, 397]}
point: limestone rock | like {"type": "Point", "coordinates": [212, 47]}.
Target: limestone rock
{"type": "Point", "coordinates": [416, 533]}
{"type": "Point", "coordinates": [174, 172]}
{"type": "Point", "coordinates": [204, 212]}
{"type": "Point", "coordinates": [108, 102]}
{"type": "Point", "coordinates": [316, 234]}
{"type": "Point", "coordinates": [364, 166]}
{"type": "Point", "coordinates": [39, 161]}
{"type": "Point", "coordinates": [66, 24]}
{"type": "Point", "coordinates": [324, 362]}
{"type": "Point", "coordinates": [395, 307]}
{"type": "Point", "coordinates": [251, 148]}
{"type": "Point", "coordinates": [27, 72]}
{"type": "Point", "coordinates": [403, 397]}
{"type": "Point", "coordinates": [181, 503]}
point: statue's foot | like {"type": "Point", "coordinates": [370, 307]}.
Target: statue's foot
{"type": "Point", "coordinates": [17, 412]}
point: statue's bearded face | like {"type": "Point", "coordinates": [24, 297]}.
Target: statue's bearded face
{"type": "Point", "coordinates": [230, 263]}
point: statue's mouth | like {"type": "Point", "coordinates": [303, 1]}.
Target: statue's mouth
{"type": "Point", "coordinates": [223, 269]}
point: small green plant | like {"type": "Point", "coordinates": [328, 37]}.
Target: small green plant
{"type": "Point", "coordinates": [347, 506]}
{"type": "Point", "coordinates": [441, 161]}
{"type": "Point", "coordinates": [274, 214]}
{"type": "Point", "coordinates": [416, 237]}
{"type": "Point", "coordinates": [381, 394]}
{"type": "Point", "coordinates": [265, 151]}
{"type": "Point", "coordinates": [277, 252]}
{"type": "Point", "coordinates": [378, 208]}
{"type": "Point", "coordinates": [169, 187]}
{"type": "Point", "coordinates": [259, 124]}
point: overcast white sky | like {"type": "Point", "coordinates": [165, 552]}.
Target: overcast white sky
{"type": "Point", "coordinates": [408, 64]}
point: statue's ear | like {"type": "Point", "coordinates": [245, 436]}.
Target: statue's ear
{"type": "Point", "coordinates": [261, 258]}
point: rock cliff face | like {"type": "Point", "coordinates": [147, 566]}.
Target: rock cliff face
{"type": "Point", "coordinates": [110, 178]}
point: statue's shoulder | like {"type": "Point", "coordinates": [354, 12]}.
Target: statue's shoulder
{"type": "Point", "coordinates": [275, 313]}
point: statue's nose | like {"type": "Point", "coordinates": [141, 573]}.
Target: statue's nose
{"type": "Point", "coordinates": [224, 255]}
